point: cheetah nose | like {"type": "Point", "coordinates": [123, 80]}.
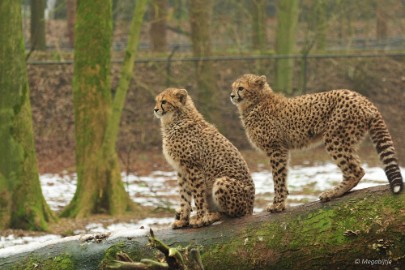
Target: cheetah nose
{"type": "Point", "coordinates": [156, 109]}
{"type": "Point", "coordinates": [232, 95]}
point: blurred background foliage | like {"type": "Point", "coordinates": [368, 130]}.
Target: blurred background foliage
{"type": "Point", "coordinates": [205, 45]}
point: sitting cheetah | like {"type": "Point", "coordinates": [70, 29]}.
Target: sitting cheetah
{"type": "Point", "coordinates": [340, 118]}
{"type": "Point", "coordinates": [210, 169]}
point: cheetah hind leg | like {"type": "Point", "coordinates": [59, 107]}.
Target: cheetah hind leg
{"type": "Point", "coordinates": [231, 198]}
{"type": "Point", "coordinates": [352, 174]}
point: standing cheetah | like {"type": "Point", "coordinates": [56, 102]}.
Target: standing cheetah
{"type": "Point", "coordinates": [340, 118]}
{"type": "Point", "coordinates": [210, 169]}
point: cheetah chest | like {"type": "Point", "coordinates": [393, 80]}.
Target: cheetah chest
{"type": "Point", "coordinates": [170, 158]}
{"type": "Point", "coordinates": [254, 135]}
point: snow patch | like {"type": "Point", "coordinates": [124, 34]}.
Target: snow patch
{"type": "Point", "coordinates": [159, 189]}
{"type": "Point", "coordinates": [37, 243]}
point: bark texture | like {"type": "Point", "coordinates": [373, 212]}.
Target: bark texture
{"type": "Point", "coordinates": [22, 204]}
{"type": "Point", "coordinates": [258, 11]}
{"type": "Point", "coordinates": [287, 17]}
{"type": "Point", "coordinates": [348, 233]}
{"type": "Point", "coordinates": [92, 102]}
{"type": "Point", "coordinates": [70, 17]}
{"type": "Point", "coordinates": [207, 92]}
{"type": "Point", "coordinates": [157, 31]}
{"type": "Point", "coordinates": [97, 114]}
{"type": "Point", "coordinates": [38, 40]}
{"type": "Point", "coordinates": [382, 20]}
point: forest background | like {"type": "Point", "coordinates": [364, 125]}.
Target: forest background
{"type": "Point", "coordinates": [335, 44]}
{"type": "Point", "coordinates": [301, 46]}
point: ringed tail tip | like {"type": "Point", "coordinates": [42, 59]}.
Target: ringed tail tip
{"type": "Point", "coordinates": [397, 189]}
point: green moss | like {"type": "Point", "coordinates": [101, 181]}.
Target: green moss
{"type": "Point", "coordinates": [136, 253]}
{"type": "Point", "coordinates": [112, 251]}
{"type": "Point", "coordinates": [395, 202]}
{"type": "Point", "coordinates": [317, 237]}
{"type": "Point", "coordinates": [62, 262]}
{"type": "Point", "coordinates": [232, 255]}
{"type": "Point", "coordinates": [135, 250]}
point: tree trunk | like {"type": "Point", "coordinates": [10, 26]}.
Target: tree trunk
{"type": "Point", "coordinates": [381, 23]}
{"type": "Point", "coordinates": [157, 32]}
{"type": "Point", "coordinates": [59, 11]}
{"type": "Point", "coordinates": [97, 116]}
{"type": "Point", "coordinates": [108, 152]}
{"type": "Point", "coordinates": [71, 15]}
{"type": "Point", "coordinates": [320, 23]}
{"type": "Point", "coordinates": [38, 25]}
{"type": "Point", "coordinates": [349, 232]}
{"type": "Point", "coordinates": [287, 16]}
{"type": "Point", "coordinates": [258, 11]}
{"type": "Point", "coordinates": [92, 104]}
{"type": "Point", "coordinates": [22, 204]}
{"type": "Point", "coordinates": [200, 17]}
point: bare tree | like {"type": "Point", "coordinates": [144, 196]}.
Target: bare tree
{"type": "Point", "coordinates": [287, 17]}
{"type": "Point", "coordinates": [38, 41]}
{"type": "Point", "coordinates": [157, 31]}
{"type": "Point", "coordinates": [381, 20]}
{"type": "Point", "coordinates": [22, 204]}
{"type": "Point", "coordinates": [258, 10]}
{"type": "Point", "coordinates": [200, 18]}
{"type": "Point", "coordinates": [71, 16]}
{"type": "Point", "coordinates": [97, 115]}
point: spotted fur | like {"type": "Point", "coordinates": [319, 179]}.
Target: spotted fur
{"type": "Point", "coordinates": [339, 118]}
{"type": "Point", "coordinates": [211, 171]}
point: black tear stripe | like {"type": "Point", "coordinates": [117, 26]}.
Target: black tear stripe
{"type": "Point", "coordinates": [239, 97]}
{"type": "Point", "coordinates": [163, 110]}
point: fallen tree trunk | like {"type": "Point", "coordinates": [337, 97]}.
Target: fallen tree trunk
{"type": "Point", "coordinates": [362, 229]}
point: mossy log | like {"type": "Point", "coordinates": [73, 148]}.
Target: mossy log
{"type": "Point", "coordinates": [362, 229]}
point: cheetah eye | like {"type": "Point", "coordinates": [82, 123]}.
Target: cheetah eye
{"type": "Point", "coordinates": [164, 101]}
{"type": "Point", "coordinates": [240, 88]}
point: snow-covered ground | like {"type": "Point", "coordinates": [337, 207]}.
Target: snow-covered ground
{"type": "Point", "coordinates": [159, 190]}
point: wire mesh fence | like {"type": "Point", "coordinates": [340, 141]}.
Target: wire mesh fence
{"type": "Point", "coordinates": [304, 63]}
{"type": "Point", "coordinates": [380, 77]}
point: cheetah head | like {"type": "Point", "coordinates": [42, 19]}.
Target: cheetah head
{"type": "Point", "coordinates": [247, 88]}
{"type": "Point", "coordinates": [169, 101]}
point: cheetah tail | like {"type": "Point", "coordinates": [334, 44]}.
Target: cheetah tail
{"type": "Point", "coordinates": [385, 148]}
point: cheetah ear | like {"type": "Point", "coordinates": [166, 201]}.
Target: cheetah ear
{"type": "Point", "coordinates": [182, 95]}
{"type": "Point", "coordinates": [261, 80]}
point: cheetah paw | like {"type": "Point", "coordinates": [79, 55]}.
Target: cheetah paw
{"type": "Point", "coordinates": [177, 224]}
{"type": "Point", "coordinates": [212, 217]}
{"type": "Point", "coordinates": [206, 220]}
{"type": "Point", "coordinates": [196, 222]}
{"type": "Point", "coordinates": [326, 196]}
{"type": "Point", "coordinates": [276, 207]}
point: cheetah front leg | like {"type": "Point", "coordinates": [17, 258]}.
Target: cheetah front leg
{"type": "Point", "coordinates": [279, 167]}
{"type": "Point", "coordinates": [183, 213]}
